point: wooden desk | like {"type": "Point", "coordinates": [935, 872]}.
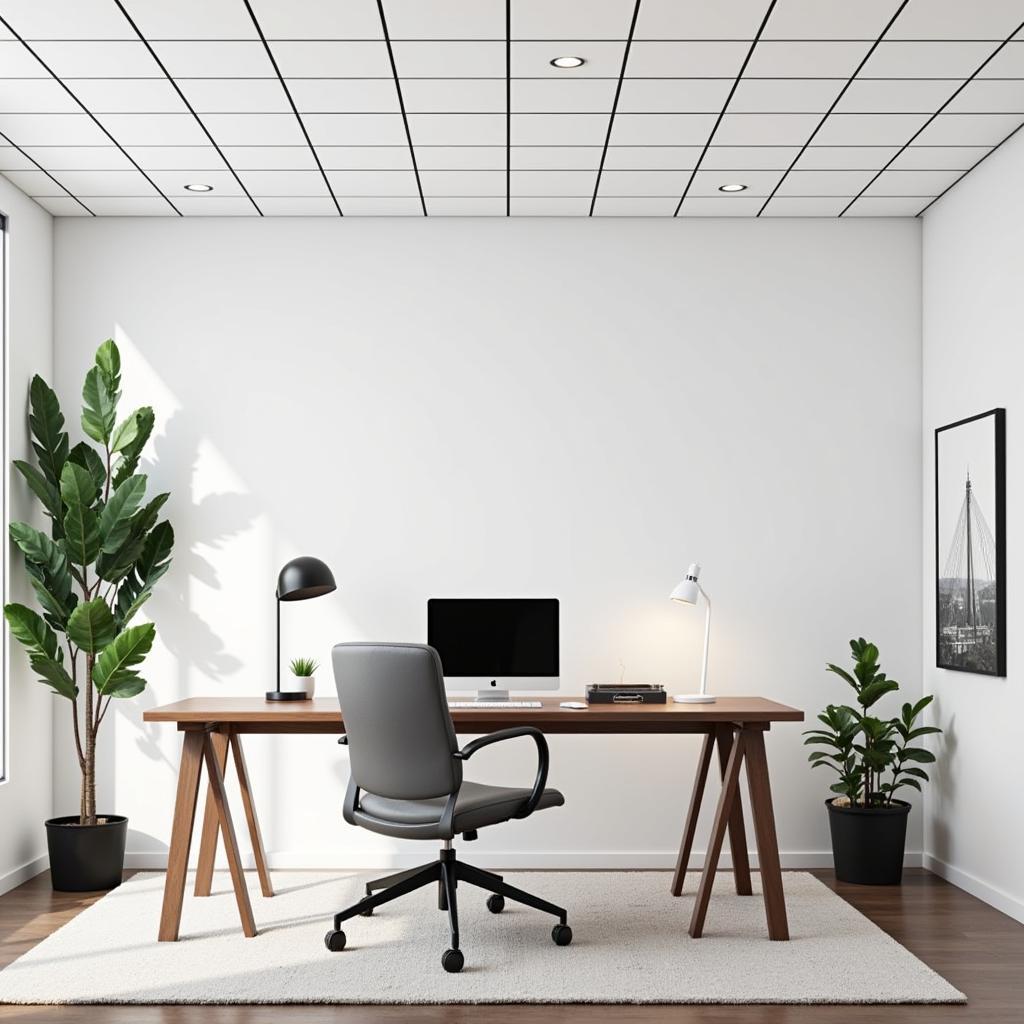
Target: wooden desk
{"type": "Point", "coordinates": [735, 725]}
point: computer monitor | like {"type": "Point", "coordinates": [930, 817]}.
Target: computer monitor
{"type": "Point", "coordinates": [492, 645]}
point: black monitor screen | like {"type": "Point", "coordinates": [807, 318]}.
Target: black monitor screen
{"type": "Point", "coordinates": [494, 637]}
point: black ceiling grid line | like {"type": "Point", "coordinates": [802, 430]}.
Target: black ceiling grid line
{"type": "Point", "coordinates": [615, 106]}
{"type": "Point", "coordinates": [963, 85]}
{"type": "Point", "coordinates": [725, 106]}
{"type": "Point", "coordinates": [401, 103]}
{"type": "Point", "coordinates": [835, 103]}
{"type": "Point", "coordinates": [10, 28]}
{"type": "Point", "coordinates": [291, 103]}
{"type": "Point", "coordinates": [508, 108]}
{"type": "Point", "coordinates": [964, 174]}
{"type": "Point", "coordinates": [39, 166]}
{"type": "Point", "coordinates": [174, 85]}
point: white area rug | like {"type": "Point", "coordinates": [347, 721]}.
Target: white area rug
{"type": "Point", "coordinates": [630, 946]}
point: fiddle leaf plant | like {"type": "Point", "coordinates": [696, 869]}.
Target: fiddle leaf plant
{"type": "Point", "coordinates": [105, 551]}
{"type": "Point", "coordinates": [861, 748]}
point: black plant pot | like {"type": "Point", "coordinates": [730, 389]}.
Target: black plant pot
{"type": "Point", "coordinates": [86, 858]}
{"type": "Point", "coordinates": [868, 842]}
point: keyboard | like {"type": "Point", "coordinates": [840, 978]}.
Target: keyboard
{"type": "Point", "coordinates": [494, 704]}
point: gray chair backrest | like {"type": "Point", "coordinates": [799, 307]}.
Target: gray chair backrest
{"type": "Point", "coordinates": [400, 733]}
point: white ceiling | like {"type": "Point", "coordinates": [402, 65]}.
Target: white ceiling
{"type": "Point", "coordinates": [451, 107]}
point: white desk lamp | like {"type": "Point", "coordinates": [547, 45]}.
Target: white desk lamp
{"type": "Point", "coordinates": [686, 593]}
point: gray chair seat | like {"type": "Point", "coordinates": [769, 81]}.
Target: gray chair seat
{"type": "Point", "coordinates": [476, 806]}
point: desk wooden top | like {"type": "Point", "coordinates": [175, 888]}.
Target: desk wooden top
{"type": "Point", "coordinates": [253, 714]}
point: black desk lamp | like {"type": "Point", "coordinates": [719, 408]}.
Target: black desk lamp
{"type": "Point", "coordinates": [300, 579]}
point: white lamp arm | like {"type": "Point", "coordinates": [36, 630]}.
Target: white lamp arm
{"type": "Point", "coordinates": [707, 642]}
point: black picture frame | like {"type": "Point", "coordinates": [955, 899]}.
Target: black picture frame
{"type": "Point", "coordinates": [960, 615]}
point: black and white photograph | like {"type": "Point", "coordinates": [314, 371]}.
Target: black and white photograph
{"type": "Point", "coordinates": [970, 583]}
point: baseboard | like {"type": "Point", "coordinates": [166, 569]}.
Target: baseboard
{"type": "Point", "coordinates": [994, 897]}
{"type": "Point", "coordinates": [22, 874]}
{"type": "Point", "coordinates": [576, 860]}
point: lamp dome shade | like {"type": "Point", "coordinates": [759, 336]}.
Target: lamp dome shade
{"type": "Point", "coordinates": [686, 592]}
{"type": "Point", "coordinates": [304, 577]}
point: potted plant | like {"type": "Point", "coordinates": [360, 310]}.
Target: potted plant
{"type": "Point", "coordinates": [91, 574]}
{"type": "Point", "coordinates": [874, 759]}
{"type": "Point", "coordinates": [304, 671]}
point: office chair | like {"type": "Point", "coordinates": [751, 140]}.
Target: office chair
{"type": "Point", "coordinates": [406, 781]}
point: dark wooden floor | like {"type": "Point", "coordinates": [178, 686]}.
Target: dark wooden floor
{"type": "Point", "coordinates": [978, 949]}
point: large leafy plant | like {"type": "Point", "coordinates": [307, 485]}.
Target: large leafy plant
{"type": "Point", "coordinates": [95, 569]}
{"type": "Point", "coordinates": [873, 757]}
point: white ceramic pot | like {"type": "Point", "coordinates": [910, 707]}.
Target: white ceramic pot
{"type": "Point", "coordinates": [301, 684]}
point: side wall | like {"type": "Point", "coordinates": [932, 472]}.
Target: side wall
{"type": "Point", "coordinates": [552, 408]}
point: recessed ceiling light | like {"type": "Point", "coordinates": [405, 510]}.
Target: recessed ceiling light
{"type": "Point", "coordinates": [199, 188]}
{"type": "Point", "coordinates": [568, 62]}
{"type": "Point", "coordinates": [732, 188]}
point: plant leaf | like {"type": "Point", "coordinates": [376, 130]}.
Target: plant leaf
{"type": "Point", "coordinates": [86, 456]}
{"type": "Point", "coordinates": [115, 519]}
{"type": "Point", "coordinates": [131, 453]}
{"type": "Point", "coordinates": [47, 423]}
{"type": "Point", "coordinates": [113, 667]}
{"type": "Point", "coordinates": [873, 692]}
{"type": "Point", "coordinates": [108, 359]}
{"type": "Point", "coordinates": [48, 493]}
{"type": "Point", "coordinates": [127, 684]}
{"type": "Point", "coordinates": [100, 410]}
{"type": "Point", "coordinates": [842, 673]}
{"type": "Point", "coordinates": [54, 674]}
{"type": "Point", "coordinates": [918, 754]}
{"type": "Point", "coordinates": [28, 628]}
{"type": "Point", "coordinates": [91, 625]}
{"type": "Point", "coordinates": [124, 434]}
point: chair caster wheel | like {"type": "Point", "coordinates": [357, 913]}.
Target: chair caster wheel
{"type": "Point", "coordinates": [496, 903]}
{"type": "Point", "coordinates": [335, 941]}
{"type": "Point", "coordinates": [366, 913]}
{"type": "Point", "coordinates": [453, 960]}
{"type": "Point", "coordinates": [562, 934]}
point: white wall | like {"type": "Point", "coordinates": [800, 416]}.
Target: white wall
{"type": "Point", "coordinates": [529, 407]}
{"type": "Point", "coordinates": [26, 798]}
{"type": "Point", "coordinates": [974, 361]}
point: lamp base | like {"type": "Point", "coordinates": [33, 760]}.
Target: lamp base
{"type": "Point", "coordinates": [693, 698]}
{"type": "Point", "coordinates": [286, 695]}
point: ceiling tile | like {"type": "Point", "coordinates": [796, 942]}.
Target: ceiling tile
{"type": "Point", "coordinates": [314, 19]}
{"type": "Point", "coordinates": [784, 95]}
{"type": "Point", "coordinates": [340, 95]}
{"type": "Point", "coordinates": [468, 158]}
{"type": "Point", "coordinates": [215, 206]}
{"type": "Point", "coordinates": [806, 59]}
{"type": "Point", "coordinates": [869, 129]}
{"type": "Point", "coordinates": [925, 60]}
{"type": "Point", "coordinates": [990, 97]}
{"type": "Point", "coordinates": [708, 183]}
{"type": "Point", "coordinates": [285, 183]}
{"type": "Point", "coordinates": [544, 96]}
{"type": "Point", "coordinates": [830, 19]}
{"type": "Point", "coordinates": [571, 19]}
{"type": "Point", "coordinates": [643, 183]}
{"type": "Point", "coordinates": [1007, 63]}
{"type": "Point", "coordinates": [66, 19]}
{"type": "Point", "coordinates": [658, 158]}
{"type": "Point", "coordinates": [215, 59]}
{"type": "Point", "coordinates": [755, 158]}
{"type": "Point", "coordinates": [172, 183]}
{"type": "Point", "coordinates": [463, 183]}
{"type": "Point", "coordinates": [172, 157]}
{"type": "Point", "coordinates": [701, 59]}
{"type": "Point", "coordinates": [80, 158]}
{"type": "Point", "coordinates": [445, 19]}
{"type": "Point", "coordinates": [878, 206]}
{"type": "Point", "coordinates": [270, 158]}
{"type": "Point", "coordinates": [373, 183]}
{"type": "Point", "coordinates": [17, 62]}
{"type": "Point", "coordinates": [553, 158]}
{"type": "Point", "coordinates": [636, 206]}
{"type": "Point", "coordinates": [298, 206]}
{"type": "Point", "coordinates": [885, 95]}
{"type": "Point", "coordinates": [846, 158]}
{"type": "Point", "coordinates": [459, 59]}
{"type": "Point", "coordinates": [397, 207]}
{"type": "Point", "coordinates": [234, 95]}
{"type": "Point", "coordinates": [557, 129]}
{"type": "Point", "coordinates": [766, 129]}
{"type": "Point", "coordinates": [825, 183]}
{"type": "Point", "coordinates": [547, 207]}
{"type": "Point", "coordinates": [673, 95]}
{"type": "Point", "coordinates": [807, 206]}
{"type": "Point", "coordinates": [255, 129]}
{"type": "Point", "coordinates": [54, 129]}
{"type": "Point", "coordinates": [554, 183]}
{"type": "Point", "coordinates": [912, 183]}
{"type": "Point", "coordinates": [107, 183]}
{"type": "Point", "coordinates": [727, 206]}
{"type": "Point", "coordinates": [115, 95]}
{"type": "Point", "coordinates": [954, 19]}
{"type": "Point", "coordinates": [969, 129]}
{"type": "Point", "coordinates": [98, 59]}
{"type": "Point", "coordinates": [36, 96]}
{"type": "Point", "coordinates": [13, 159]}
{"type": "Point", "coordinates": [457, 129]}
{"type": "Point", "coordinates": [454, 95]}
{"type": "Point", "coordinates": [355, 129]}
{"type": "Point", "coordinates": [698, 19]}
{"type": "Point", "coordinates": [63, 206]}
{"type": "Point", "coordinates": [191, 19]}
{"type": "Point", "coordinates": [140, 207]}
{"type": "Point", "coordinates": [468, 206]}
{"type": "Point", "coordinates": [332, 59]}
{"type": "Point", "coordinates": [665, 129]}
{"type": "Point", "coordinates": [153, 129]}
{"type": "Point", "coordinates": [355, 158]}
{"type": "Point", "coordinates": [940, 158]}
{"type": "Point", "coordinates": [35, 183]}
{"type": "Point", "coordinates": [533, 60]}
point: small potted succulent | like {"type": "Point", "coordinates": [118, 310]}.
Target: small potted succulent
{"type": "Point", "coordinates": [304, 672]}
{"type": "Point", "coordinates": [874, 759]}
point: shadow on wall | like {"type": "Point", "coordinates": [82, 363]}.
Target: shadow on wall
{"type": "Point", "coordinates": [944, 782]}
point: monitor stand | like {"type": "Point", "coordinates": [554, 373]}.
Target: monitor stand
{"type": "Point", "coordinates": [492, 693]}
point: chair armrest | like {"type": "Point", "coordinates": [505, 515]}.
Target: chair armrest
{"type": "Point", "coordinates": [509, 734]}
